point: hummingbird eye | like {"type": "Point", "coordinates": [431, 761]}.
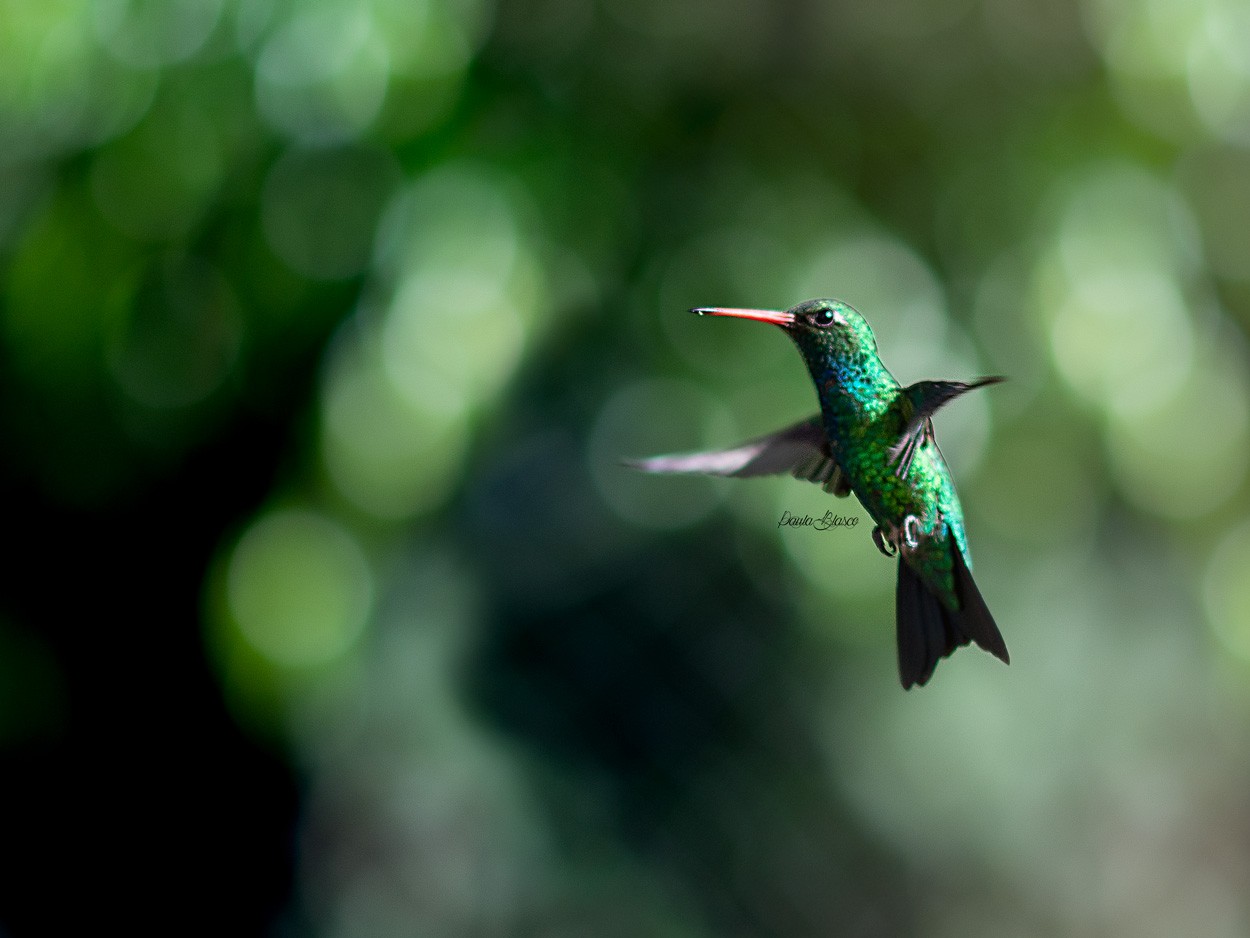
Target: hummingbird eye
{"type": "Point", "coordinates": [823, 318]}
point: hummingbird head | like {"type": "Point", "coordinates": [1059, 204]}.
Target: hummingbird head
{"type": "Point", "coordinates": [829, 333]}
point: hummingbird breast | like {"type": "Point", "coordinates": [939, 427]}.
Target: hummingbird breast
{"type": "Point", "coordinates": [925, 491]}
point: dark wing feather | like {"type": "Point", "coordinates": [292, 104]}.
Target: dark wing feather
{"type": "Point", "coordinates": [926, 398]}
{"type": "Point", "coordinates": [802, 450]}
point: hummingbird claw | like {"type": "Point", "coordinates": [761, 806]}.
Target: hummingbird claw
{"type": "Point", "coordinates": [911, 532]}
{"type": "Point", "coordinates": [906, 537]}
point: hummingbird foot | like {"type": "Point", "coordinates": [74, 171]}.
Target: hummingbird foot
{"type": "Point", "coordinates": [905, 537]}
{"type": "Point", "coordinates": [911, 532]}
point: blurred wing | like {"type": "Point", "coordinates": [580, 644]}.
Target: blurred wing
{"type": "Point", "coordinates": [802, 450]}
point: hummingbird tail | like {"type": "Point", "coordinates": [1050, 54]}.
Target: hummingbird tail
{"type": "Point", "coordinates": [928, 631]}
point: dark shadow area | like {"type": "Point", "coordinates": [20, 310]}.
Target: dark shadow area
{"type": "Point", "coordinates": [144, 803]}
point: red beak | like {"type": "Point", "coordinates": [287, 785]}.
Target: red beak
{"type": "Point", "coordinates": [776, 317]}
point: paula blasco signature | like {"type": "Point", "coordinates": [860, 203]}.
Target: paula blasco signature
{"type": "Point", "coordinates": [824, 523]}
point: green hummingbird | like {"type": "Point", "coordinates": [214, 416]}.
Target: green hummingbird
{"type": "Point", "coordinates": [875, 438]}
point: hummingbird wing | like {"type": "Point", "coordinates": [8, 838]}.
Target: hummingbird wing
{"type": "Point", "coordinates": [803, 450]}
{"type": "Point", "coordinates": [925, 398]}
{"type": "Point", "coordinates": [928, 630]}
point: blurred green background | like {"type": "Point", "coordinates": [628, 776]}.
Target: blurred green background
{"type": "Point", "coordinates": [328, 609]}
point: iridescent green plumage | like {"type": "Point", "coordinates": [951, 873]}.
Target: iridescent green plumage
{"type": "Point", "coordinates": [865, 412]}
{"type": "Point", "coordinates": [875, 438]}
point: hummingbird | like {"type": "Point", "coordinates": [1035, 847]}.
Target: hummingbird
{"type": "Point", "coordinates": [875, 438]}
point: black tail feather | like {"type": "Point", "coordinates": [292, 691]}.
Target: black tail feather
{"type": "Point", "coordinates": [928, 631]}
{"type": "Point", "coordinates": [974, 615]}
